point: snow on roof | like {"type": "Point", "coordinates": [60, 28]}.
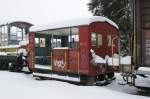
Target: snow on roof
{"type": "Point", "coordinates": [143, 81]}
{"type": "Point", "coordinates": [71, 23]}
{"type": "Point", "coordinates": [19, 24]}
{"type": "Point", "coordinates": [143, 70]}
{"type": "Point", "coordinates": [4, 22]}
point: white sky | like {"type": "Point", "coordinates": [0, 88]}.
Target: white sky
{"type": "Point", "coordinates": [42, 11]}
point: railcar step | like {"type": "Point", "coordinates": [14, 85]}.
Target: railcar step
{"type": "Point", "coordinates": [55, 76]}
{"type": "Point", "coordinates": [46, 67]}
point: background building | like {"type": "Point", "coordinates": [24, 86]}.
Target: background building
{"type": "Point", "coordinates": [141, 50]}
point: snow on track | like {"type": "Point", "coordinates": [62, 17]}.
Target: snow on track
{"type": "Point", "coordinates": [24, 86]}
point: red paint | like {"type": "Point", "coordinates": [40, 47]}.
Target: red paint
{"type": "Point", "coordinates": [60, 60]}
{"type": "Point", "coordinates": [31, 50]}
{"type": "Point", "coordinates": [84, 41]}
{"type": "Point", "coordinates": [73, 60]}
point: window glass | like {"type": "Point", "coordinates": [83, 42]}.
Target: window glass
{"type": "Point", "coordinates": [56, 42]}
{"type": "Point", "coordinates": [13, 37]}
{"type": "Point", "coordinates": [66, 37]}
{"type": "Point", "coordinates": [93, 38]}
{"type": "Point", "coordinates": [109, 40]}
{"type": "Point", "coordinates": [74, 38]}
{"type": "Point", "coordinates": [36, 42]}
{"type": "Point", "coordinates": [74, 41]}
{"type": "Point", "coordinates": [42, 42]}
{"type": "Point", "coordinates": [39, 42]}
{"type": "Point", "coordinates": [4, 34]}
{"type": "Point", "coordinates": [100, 40]}
{"type": "Point", "coordinates": [16, 33]}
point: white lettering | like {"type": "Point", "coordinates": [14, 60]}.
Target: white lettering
{"type": "Point", "coordinates": [59, 63]}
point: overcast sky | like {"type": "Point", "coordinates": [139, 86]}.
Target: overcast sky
{"type": "Point", "coordinates": [42, 11]}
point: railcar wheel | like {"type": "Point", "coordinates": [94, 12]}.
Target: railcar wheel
{"type": "Point", "coordinates": [11, 67]}
{"type": "Point", "coordinates": [102, 80]}
{"type": "Point", "coordinates": [20, 68]}
{"type": "Point", "coordinates": [5, 65]}
{"type": "Point", "coordinates": [87, 80]}
{"type": "Point", "coordinates": [2, 64]}
{"type": "Point", "coordinates": [30, 70]}
{"type": "Point", "coordinates": [100, 77]}
{"type": "Point", "coordinates": [110, 75]}
{"type": "Point", "coordinates": [40, 78]}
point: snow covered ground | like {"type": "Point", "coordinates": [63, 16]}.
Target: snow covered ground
{"type": "Point", "coordinates": [24, 86]}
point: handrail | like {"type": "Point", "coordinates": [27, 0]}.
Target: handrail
{"type": "Point", "coordinates": [112, 50]}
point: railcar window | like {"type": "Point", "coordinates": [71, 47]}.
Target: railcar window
{"type": "Point", "coordinates": [94, 39]}
{"type": "Point", "coordinates": [66, 37]}
{"type": "Point", "coordinates": [42, 42]}
{"type": "Point", "coordinates": [100, 40]}
{"type": "Point", "coordinates": [36, 42]}
{"type": "Point", "coordinates": [74, 38]}
{"type": "Point", "coordinates": [16, 33]}
{"type": "Point", "coordinates": [74, 41]}
{"type": "Point", "coordinates": [109, 40]}
{"type": "Point", "coordinates": [4, 33]}
{"type": "Point", "coordinates": [56, 42]}
{"type": "Point", "coordinates": [39, 42]}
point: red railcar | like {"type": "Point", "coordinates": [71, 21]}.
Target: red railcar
{"type": "Point", "coordinates": [62, 50]}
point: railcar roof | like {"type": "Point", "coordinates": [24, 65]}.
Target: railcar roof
{"type": "Point", "coordinates": [20, 24]}
{"type": "Point", "coordinates": [72, 23]}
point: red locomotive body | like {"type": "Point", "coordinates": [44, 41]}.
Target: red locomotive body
{"type": "Point", "coordinates": [62, 50]}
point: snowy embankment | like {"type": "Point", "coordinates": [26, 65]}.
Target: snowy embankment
{"type": "Point", "coordinates": [24, 86]}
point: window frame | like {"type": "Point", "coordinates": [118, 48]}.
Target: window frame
{"type": "Point", "coordinates": [93, 41]}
